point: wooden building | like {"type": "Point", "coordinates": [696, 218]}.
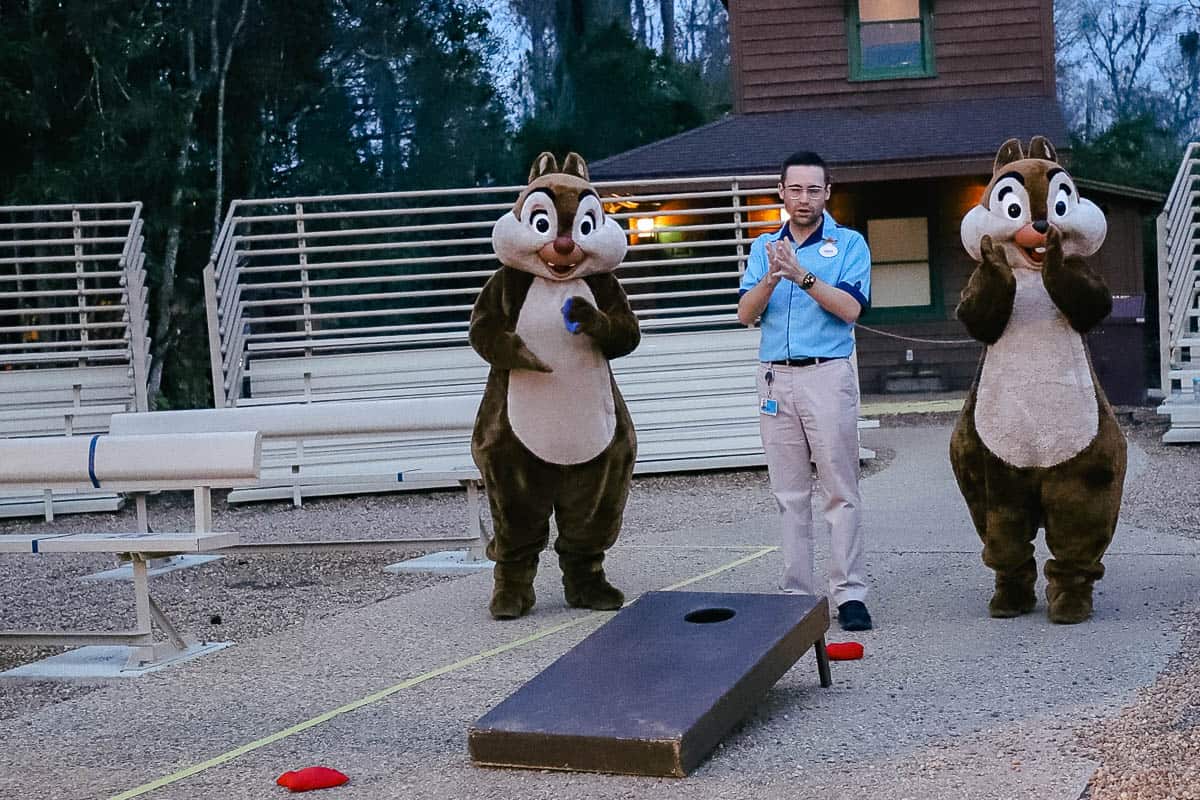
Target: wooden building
{"type": "Point", "coordinates": [908, 101]}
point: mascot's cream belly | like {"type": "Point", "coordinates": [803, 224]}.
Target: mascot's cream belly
{"type": "Point", "coordinates": [1036, 402]}
{"type": "Point", "coordinates": [566, 416]}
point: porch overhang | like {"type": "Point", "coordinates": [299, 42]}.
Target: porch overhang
{"type": "Point", "coordinates": [923, 140]}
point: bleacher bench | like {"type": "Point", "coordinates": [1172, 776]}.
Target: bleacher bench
{"type": "Point", "coordinates": [61, 401]}
{"type": "Point", "coordinates": [345, 446]}
{"type": "Point", "coordinates": [200, 462]}
{"type": "Point", "coordinates": [692, 398]}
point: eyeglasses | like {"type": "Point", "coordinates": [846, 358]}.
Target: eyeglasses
{"type": "Point", "coordinates": [799, 192]}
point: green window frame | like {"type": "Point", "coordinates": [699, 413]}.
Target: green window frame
{"type": "Point", "coordinates": [912, 254]}
{"type": "Point", "coordinates": [862, 72]}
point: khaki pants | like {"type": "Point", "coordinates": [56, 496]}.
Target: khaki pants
{"type": "Point", "coordinates": [816, 423]}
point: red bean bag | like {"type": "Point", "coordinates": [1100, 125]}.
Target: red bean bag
{"type": "Point", "coordinates": [302, 780]}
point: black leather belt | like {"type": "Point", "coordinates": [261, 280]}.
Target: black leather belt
{"type": "Point", "coordinates": [805, 362]}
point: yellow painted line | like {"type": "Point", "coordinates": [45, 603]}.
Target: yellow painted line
{"type": "Point", "coordinates": [382, 694]}
{"type": "Point", "coordinates": [724, 567]}
{"type": "Point", "coordinates": [734, 547]}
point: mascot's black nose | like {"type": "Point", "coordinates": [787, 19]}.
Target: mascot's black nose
{"type": "Point", "coordinates": [1041, 226]}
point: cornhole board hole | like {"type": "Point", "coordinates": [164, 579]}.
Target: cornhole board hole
{"type": "Point", "coordinates": [653, 690]}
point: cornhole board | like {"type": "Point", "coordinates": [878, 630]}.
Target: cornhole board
{"type": "Point", "coordinates": [653, 690]}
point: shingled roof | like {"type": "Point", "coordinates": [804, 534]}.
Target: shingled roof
{"type": "Point", "coordinates": [747, 144]}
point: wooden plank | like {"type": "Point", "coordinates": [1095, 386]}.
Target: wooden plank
{"type": "Point", "coordinates": [654, 689]}
{"type": "Point", "coordinates": [853, 95]}
{"type": "Point", "coordinates": [833, 80]}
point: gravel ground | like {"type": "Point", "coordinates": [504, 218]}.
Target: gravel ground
{"type": "Point", "coordinates": [1151, 749]}
{"type": "Point", "coordinates": [1148, 751]}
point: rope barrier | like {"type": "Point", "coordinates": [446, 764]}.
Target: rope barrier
{"type": "Point", "coordinates": [913, 338]}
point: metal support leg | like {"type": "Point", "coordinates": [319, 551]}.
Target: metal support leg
{"type": "Point", "coordinates": [202, 499]}
{"type": "Point", "coordinates": [476, 526]}
{"type": "Point", "coordinates": [823, 663]}
{"type": "Point", "coordinates": [143, 518]}
{"type": "Point", "coordinates": [180, 640]}
{"type": "Point", "coordinates": [297, 497]}
{"type": "Point", "coordinates": [48, 505]}
{"type": "Point", "coordinates": [141, 592]}
{"type": "Point", "coordinates": [147, 610]}
{"type": "Point", "coordinates": [144, 654]}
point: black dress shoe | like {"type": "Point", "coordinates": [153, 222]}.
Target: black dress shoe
{"type": "Point", "coordinates": [853, 616]}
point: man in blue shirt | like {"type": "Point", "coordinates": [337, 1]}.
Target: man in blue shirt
{"type": "Point", "coordinates": [808, 282]}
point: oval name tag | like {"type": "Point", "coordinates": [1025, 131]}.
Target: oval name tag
{"type": "Point", "coordinates": [829, 250]}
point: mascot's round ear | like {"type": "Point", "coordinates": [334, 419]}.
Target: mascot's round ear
{"type": "Point", "coordinates": [574, 165]}
{"type": "Point", "coordinates": [1010, 151]}
{"type": "Point", "coordinates": [1040, 147]}
{"type": "Point", "coordinates": [544, 164]}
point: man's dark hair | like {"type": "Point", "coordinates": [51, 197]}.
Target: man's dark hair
{"type": "Point", "coordinates": [803, 158]}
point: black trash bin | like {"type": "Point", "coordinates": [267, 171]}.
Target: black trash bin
{"type": "Point", "coordinates": [1118, 346]}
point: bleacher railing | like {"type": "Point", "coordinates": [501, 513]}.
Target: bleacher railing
{"type": "Point", "coordinates": [73, 289]}
{"type": "Point", "coordinates": [347, 273]}
{"type": "Point", "coordinates": [1179, 276]}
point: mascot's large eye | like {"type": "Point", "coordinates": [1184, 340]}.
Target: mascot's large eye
{"type": "Point", "coordinates": [588, 217]}
{"type": "Point", "coordinates": [539, 213]}
{"type": "Point", "coordinates": [1062, 201]}
{"type": "Point", "coordinates": [1009, 199]}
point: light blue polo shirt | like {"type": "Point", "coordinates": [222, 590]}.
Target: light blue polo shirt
{"type": "Point", "coordinates": [793, 324]}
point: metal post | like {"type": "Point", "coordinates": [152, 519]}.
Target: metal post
{"type": "Point", "coordinates": [737, 228]}
{"type": "Point", "coordinates": [143, 518]}
{"type": "Point", "coordinates": [214, 336]}
{"type": "Point", "coordinates": [80, 287]}
{"type": "Point", "coordinates": [202, 498]}
{"type": "Point", "coordinates": [476, 529]}
{"type": "Point", "coordinates": [305, 296]}
{"type": "Point", "coordinates": [141, 592]}
{"type": "Point", "coordinates": [297, 498]}
{"type": "Point", "coordinates": [1164, 308]}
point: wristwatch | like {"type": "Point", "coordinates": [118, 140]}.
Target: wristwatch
{"type": "Point", "coordinates": [807, 281]}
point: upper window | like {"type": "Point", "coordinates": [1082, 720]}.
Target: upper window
{"type": "Point", "coordinates": [890, 39]}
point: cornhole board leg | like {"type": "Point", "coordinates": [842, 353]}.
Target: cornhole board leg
{"type": "Point", "coordinates": [653, 691]}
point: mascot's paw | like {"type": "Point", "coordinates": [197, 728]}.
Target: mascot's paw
{"type": "Point", "coordinates": [1069, 606]}
{"type": "Point", "coordinates": [1012, 601]}
{"type": "Point", "coordinates": [579, 315]}
{"type": "Point", "coordinates": [596, 593]}
{"type": "Point", "coordinates": [510, 600]}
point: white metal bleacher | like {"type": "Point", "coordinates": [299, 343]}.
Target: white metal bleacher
{"type": "Point", "coordinates": [74, 345]}
{"type": "Point", "coordinates": [358, 297]}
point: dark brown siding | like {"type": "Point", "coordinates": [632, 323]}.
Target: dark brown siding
{"type": "Point", "coordinates": [792, 54]}
{"type": "Point", "coordinates": [1119, 260]}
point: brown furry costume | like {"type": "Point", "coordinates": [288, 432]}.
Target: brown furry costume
{"type": "Point", "coordinates": [1037, 443]}
{"type": "Point", "coordinates": [553, 433]}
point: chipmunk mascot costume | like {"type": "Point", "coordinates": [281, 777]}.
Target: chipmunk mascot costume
{"type": "Point", "coordinates": [552, 433]}
{"type": "Point", "coordinates": [1037, 443]}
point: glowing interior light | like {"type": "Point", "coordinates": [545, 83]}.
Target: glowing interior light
{"type": "Point", "coordinates": [645, 224]}
{"type": "Point", "coordinates": [783, 215]}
